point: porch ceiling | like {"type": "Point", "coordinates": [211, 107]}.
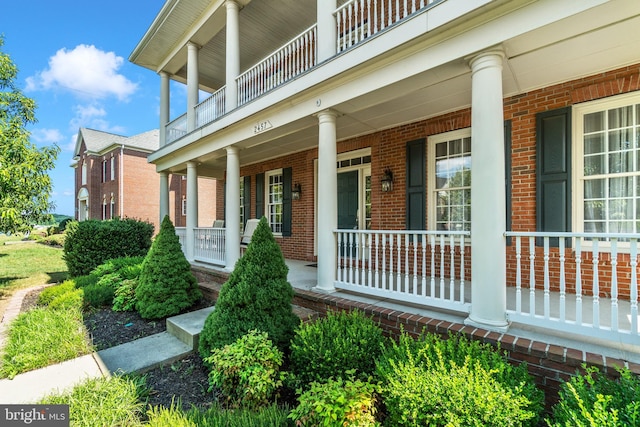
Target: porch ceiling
{"type": "Point", "coordinates": [599, 39]}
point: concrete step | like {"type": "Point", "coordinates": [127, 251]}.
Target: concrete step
{"type": "Point", "coordinates": [144, 354]}
{"type": "Point", "coordinates": [186, 327]}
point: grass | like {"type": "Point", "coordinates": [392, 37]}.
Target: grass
{"type": "Point", "coordinates": [29, 264]}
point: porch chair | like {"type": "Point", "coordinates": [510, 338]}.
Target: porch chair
{"type": "Point", "coordinates": [248, 232]}
{"type": "Point", "coordinates": [218, 223]}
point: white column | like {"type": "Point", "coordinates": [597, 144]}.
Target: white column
{"type": "Point", "coordinates": [232, 54]}
{"type": "Point", "coordinates": [164, 106]}
{"type": "Point", "coordinates": [327, 32]}
{"type": "Point", "coordinates": [193, 84]}
{"type": "Point", "coordinates": [327, 201]}
{"type": "Point", "coordinates": [192, 209]}
{"type": "Point", "coordinates": [164, 195]}
{"type": "Point", "coordinates": [488, 208]}
{"type": "Point", "coordinates": [232, 209]}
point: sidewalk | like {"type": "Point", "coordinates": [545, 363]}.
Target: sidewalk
{"type": "Point", "coordinates": [139, 355]}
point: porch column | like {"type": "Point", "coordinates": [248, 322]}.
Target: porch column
{"type": "Point", "coordinates": [232, 209]}
{"type": "Point", "coordinates": [192, 208]}
{"type": "Point", "coordinates": [327, 201]}
{"type": "Point", "coordinates": [164, 107]}
{"type": "Point", "coordinates": [192, 84]}
{"type": "Point", "coordinates": [327, 35]}
{"type": "Point", "coordinates": [164, 195]}
{"type": "Point", "coordinates": [488, 208]}
{"type": "Point", "coordinates": [232, 55]}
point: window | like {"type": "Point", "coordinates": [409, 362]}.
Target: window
{"type": "Point", "coordinates": [274, 199]}
{"type": "Point", "coordinates": [104, 207]}
{"type": "Point", "coordinates": [184, 206]}
{"type": "Point", "coordinates": [367, 201]}
{"type": "Point", "coordinates": [84, 172]}
{"type": "Point", "coordinates": [112, 207]}
{"type": "Point", "coordinates": [608, 172]}
{"type": "Point", "coordinates": [104, 171]}
{"type": "Point", "coordinates": [450, 180]}
{"type": "Point", "coordinates": [242, 216]}
{"type": "Point", "coordinates": [113, 168]}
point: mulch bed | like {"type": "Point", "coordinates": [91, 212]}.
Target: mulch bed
{"type": "Point", "coordinates": [184, 381]}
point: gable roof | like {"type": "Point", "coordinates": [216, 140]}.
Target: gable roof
{"type": "Point", "coordinates": [98, 142]}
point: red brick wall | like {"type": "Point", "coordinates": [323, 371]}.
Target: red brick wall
{"type": "Point", "coordinates": [141, 188]}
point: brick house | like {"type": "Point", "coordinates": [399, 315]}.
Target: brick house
{"type": "Point", "coordinates": [114, 179]}
{"type": "Point", "coordinates": [353, 127]}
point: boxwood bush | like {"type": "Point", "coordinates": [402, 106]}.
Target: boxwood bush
{"type": "Point", "coordinates": [166, 285]}
{"type": "Point", "coordinates": [331, 346]}
{"type": "Point", "coordinates": [594, 399]}
{"type": "Point", "coordinates": [256, 296]}
{"type": "Point", "coordinates": [446, 382]}
{"type": "Point", "coordinates": [90, 243]}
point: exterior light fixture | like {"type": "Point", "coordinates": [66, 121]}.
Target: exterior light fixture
{"type": "Point", "coordinates": [387, 181]}
{"type": "Point", "coordinates": [296, 191]}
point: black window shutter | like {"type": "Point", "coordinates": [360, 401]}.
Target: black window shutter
{"type": "Point", "coordinates": [247, 199]}
{"type": "Point", "coordinates": [286, 202]}
{"type": "Point", "coordinates": [507, 175]}
{"type": "Point", "coordinates": [416, 185]}
{"type": "Point", "coordinates": [553, 170]}
{"type": "Point", "coordinates": [259, 195]}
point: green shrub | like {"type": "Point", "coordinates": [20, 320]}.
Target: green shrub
{"type": "Point", "coordinates": [256, 296]}
{"type": "Point", "coordinates": [62, 226]}
{"type": "Point", "coordinates": [173, 416]}
{"type": "Point", "coordinates": [66, 301]}
{"type": "Point", "coordinates": [99, 294]}
{"type": "Point", "coordinates": [95, 402]}
{"type": "Point", "coordinates": [84, 281]}
{"type": "Point", "coordinates": [338, 403]}
{"type": "Point", "coordinates": [436, 382]}
{"type": "Point", "coordinates": [166, 285]}
{"type": "Point", "coordinates": [331, 346]}
{"type": "Point", "coordinates": [270, 416]}
{"type": "Point", "coordinates": [90, 243]}
{"type": "Point", "coordinates": [52, 292]}
{"type": "Point", "coordinates": [126, 267]}
{"type": "Point", "coordinates": [53, 240]}
{"type": "Point", "coordinates": [593, 399]}
{"type": "Point", "coordinates": [125, 296]}
{"type": "Point", "coordinates": [247, 372]}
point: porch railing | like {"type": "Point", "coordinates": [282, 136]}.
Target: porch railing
{"type": "Point", "coordinates": [358, 19]}
{"type": "Point", "coordinates": [211, 108]}
{"type": "Point", "coordinates": [423, 267]}
{"type": "Point", "coordinates": [210, 245]}
{"type": "Point", "coordinates": [292, 59]}
{"type": "Point", "coordinates": [181, 232]}
{"type": "Point", "coordinates": [594, 276]}
{"type": "Point", "coordinates": [177, 128]}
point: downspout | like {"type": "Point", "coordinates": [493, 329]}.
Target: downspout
{"type": "Point", "coordinates": [121, 181]}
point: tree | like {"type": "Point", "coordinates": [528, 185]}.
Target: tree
{"type": "Point", "coordinates": [24, 182]}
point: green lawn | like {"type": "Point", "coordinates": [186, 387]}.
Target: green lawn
{"type": "Point", "coordinates": [29, 264]}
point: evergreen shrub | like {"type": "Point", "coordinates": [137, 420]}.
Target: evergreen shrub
{"type": "Point", "coordinates": [247, 372]}
{"type": "Point", "coordinates": [66, 301]}
{"type": "Point", "coordinates": [166, 285]}
{"type": "Point", "coordinates": [256, 296]}
{"type": "Point", "coordinates": [443, 382]}
{"type": "Point", "coordinates": [90, 243]}
{"type": "Point", "coordinates": [52, 292]}
{"type": "Point", "coordinates": [331, 346]}
{"type": "Point", "coordinates": [593, 399]}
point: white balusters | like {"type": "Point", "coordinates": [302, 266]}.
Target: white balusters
{"type": "Point", "coordinates": [633, 262]}
{"type": "Point", "coordinates": [614, 284]}
{"type": "Point", "coordinates": [563, 285]}
{"type": "Point", "coordinates": [596, 284]}
{"type": "Point", "coordinates": [518, 275]}
{"type": "Point", "coordinates": [546, 302]}
{"type": "Point", "coordinates": [532, 276]}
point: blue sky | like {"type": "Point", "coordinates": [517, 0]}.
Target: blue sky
{"type": "Point", "coordinates": [72, 58]}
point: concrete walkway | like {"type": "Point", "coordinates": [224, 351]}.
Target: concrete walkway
{"type": "Point", "coordinates": [136, 356]}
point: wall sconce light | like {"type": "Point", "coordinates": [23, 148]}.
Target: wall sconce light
{"type": "Point", "coordinates": [296, 191]}
{"type": "Point", "coordinates": [387, 181]}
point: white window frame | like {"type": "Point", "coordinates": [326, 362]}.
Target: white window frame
{"type": "Point", "coordinates": [112, 207]}
{"type": "Point", "coordinates": [113, 168]}
{"type": "Point", "coordinates": [578, 178]}
{"type": "Point", "coordinates": [104, 170]}
{"type": "Point", "coordinates": [431, 171]}
{"type": "Point", "coordinates": [242, 214]}
{"type": "Point", "coordinates": [184, 206]}
{"type": "Point", "coordinates": [84, 172]}
{"type": "Point", "coordinates": [277, 231]}
{"type": "Point", "coordinates": [104, 207]}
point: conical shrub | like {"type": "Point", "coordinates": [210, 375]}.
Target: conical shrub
{"type": "Point", "coordinates": [166, 285]}
{"type": "Point", "coordinates": [256, 296]}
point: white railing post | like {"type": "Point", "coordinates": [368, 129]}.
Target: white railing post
{"type": "Point", "coordinates": [633, 285]}
{"type": "Point", "coordinates": [596, 285]}
{"type": "Point", "coordinates": [614, 284]}
{"type": "Point", "coordinates": [562, 280]}
{"type": "Point", "coordinates": [546, 278]}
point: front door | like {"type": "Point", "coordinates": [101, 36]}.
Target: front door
{"type": "Point", "coordinates": [348, 200]}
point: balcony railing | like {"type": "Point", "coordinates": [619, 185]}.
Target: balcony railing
{"type": "Point", "coordinates": [358, 19]}
{"type": "Point", "coordinates": [211, 108]}
{"type": "Point", "coordinates": [176, 129]}
{"type": "Point", "coordinates": [579, 283]}
{"type": "Point", "coordinates": [181, 232]}
{"type": "Point", "coordinates": [291, 60]}
{"type": "Point", "coordinates": [423, 267]}
{"type": "Point", "coordinates": [210, 245]}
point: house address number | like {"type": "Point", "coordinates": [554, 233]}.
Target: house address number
{"type": "Point", "coordinates": [262, 126]}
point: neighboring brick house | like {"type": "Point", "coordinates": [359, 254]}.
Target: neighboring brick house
{"type": "Point", "coordinates": [114, 179]}
{"type": "Point", "coordinates": [351, 126]}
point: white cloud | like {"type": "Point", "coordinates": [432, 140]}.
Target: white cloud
{"type": "Point", "coordinates": [86, 71]}
{"type": "Point", "coordinates": [93, 116]}
{"type": "Point", "coordinates": [46, 136]}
